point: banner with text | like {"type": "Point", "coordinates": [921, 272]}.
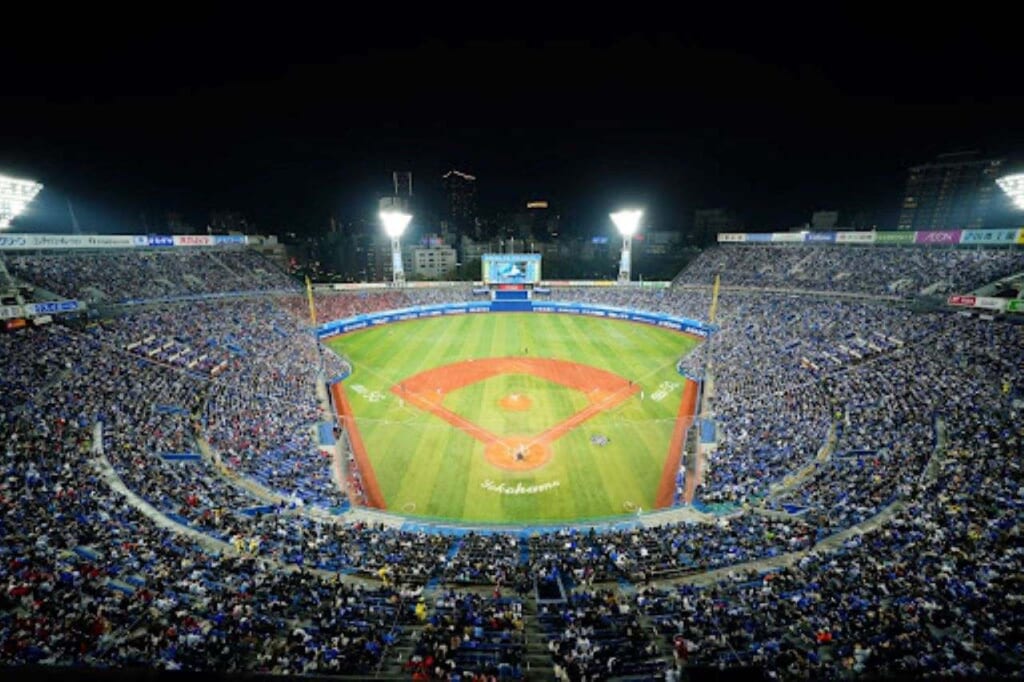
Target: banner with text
{"type": "Point", "coordinates": [962, 300]}
{"type": "Point", "coordinates": [983, 302]}
{"type": "Point", "coordinates": [787, 237]}
{"type": "Point", "coordinates": [938, 237]}
{"type": "Point", "coordinates": [52, 307]}
{"type": "Point", "coordinates": [897, 237]}
{"type": "Point", "coordinates": [989, 237]}
{"type": "Point", "coordinates": [192, 240]}
{"type": "Point", "coordinates": [982, 237]}
{"type": "Point", "coordinates": [25, 242]}
{"type": "Point", "coordinates": [35, 242]}
{"type": "Point", "coordinates": [855, 237]}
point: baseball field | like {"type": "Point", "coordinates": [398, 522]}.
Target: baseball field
{"type": "Point", "coordinates": [514, 418]}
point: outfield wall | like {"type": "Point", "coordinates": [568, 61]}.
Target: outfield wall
{"type": "Point", "coordinates": [351, 324]}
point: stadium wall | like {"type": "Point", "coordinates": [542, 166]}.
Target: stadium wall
{"type": "Point", "coordinates": [351, 324]}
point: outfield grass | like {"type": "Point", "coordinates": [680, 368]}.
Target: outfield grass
{"type": "Point", "coordinates": [427, 467]}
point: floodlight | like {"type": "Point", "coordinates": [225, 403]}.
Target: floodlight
{"type": "Point", "coordinates": [627, 221]}
{"type": "Point", "coordinates": [15, 195]}
{"type": "Point", "coordinates": [1013, 186]}
{"type": "Point", "coordinates": [394, 222]}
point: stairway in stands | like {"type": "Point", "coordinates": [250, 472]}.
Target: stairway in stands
{"type": "Point", "coordinates": [538, 665]}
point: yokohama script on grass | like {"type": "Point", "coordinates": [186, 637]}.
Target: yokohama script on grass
{"type": "Point", "coordinates": [518, 488]}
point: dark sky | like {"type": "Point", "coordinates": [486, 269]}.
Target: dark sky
{"type": "Point", "coordinates": [292, 116]}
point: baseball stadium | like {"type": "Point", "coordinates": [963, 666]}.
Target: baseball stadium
{"type": "Point", "coordinates": [516, 417]}
{"type": "Point", "coordinates": [785, 461]}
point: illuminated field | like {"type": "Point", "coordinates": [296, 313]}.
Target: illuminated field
{"type": "Point", "coordinates": [516, 418]}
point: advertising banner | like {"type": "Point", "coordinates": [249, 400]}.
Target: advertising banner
{"type": "Point", "coordinates": [29, 242]}
{"type": "Point", "coordinates": [193, 240]}
{"type": "Point", "coordinates": [732, 237]}
{"type": "Point", "coordinates": [855, 237]}
{"type": "Point", "coordinates": [989, 237]}
{"type": "Point", "coordinates": [352, 324]}
{"type": "Point", "coordinates": [938, 237]}
{"type": "Point", "coordinates": [984, 302]}
{"type": "Point", "coordinates": [1015, 306]}
{"type": "Point", "coordinates": [24, 242]}
{"type": "Point", "coordinates": [787, 237]}
{"type": "Point", "coordinates": [13, 241]}
{"type": "Point", "coordinates": [903, 237]}
{"type": "Point", "coordinates": [759, 237]}
{"type": "Point", "coordinates": [962, 300]}
{"type": "Point", "coordinates": [230, 239]}
{"type": "Point", "coordinates": [1020, 236]}
{"type": "Point", "coordinates": [820, 237]}
{"type": "Point", "coordinates": [989, 303]}
{"type": "Point", "coordinates": [52, 307]}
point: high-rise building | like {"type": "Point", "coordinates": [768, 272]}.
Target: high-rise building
{"type": "Point", "coordinates": [955, 191]}
{"type": "Point", "coordinates": [434, 261]}
{"type": "Point", "coordinates": [460, 189]}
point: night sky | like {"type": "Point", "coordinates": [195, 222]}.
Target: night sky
{"type": "Point", "coordinates": [292, 119]}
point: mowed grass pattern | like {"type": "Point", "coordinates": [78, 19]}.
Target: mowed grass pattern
{"type": "Point", "coordinates": [550, 403]}
{"type": "Point", "coordinates": [426, 467]}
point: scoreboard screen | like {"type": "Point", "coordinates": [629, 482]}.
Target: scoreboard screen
{"type": "Point", "coordinates": [511, 268]}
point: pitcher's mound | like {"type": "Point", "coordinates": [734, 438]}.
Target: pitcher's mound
{"type": "Point", "coordinates": [516, 402]}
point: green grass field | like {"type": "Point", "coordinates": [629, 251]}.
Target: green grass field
{"type": "Point", "coordinates": [427, 467]}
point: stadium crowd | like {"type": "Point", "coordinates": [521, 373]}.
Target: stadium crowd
{"type": "Point", "coordinates": [829, 415]}
{"type": "Point", "coordinates": [874, 270]}
{"type": "Point", "coordinates": [934, 591]}
{"type": "Point", "coordinates": [117, 276]}
{"type": "Point", "coordinates": [470, 632]}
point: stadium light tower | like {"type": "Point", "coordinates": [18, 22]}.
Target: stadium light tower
{"type": "Point", "coordinates": [15, 195]}
{"type": "Point", "coordinates": [395, 223]}
{"type": "Point", "coordinates": [627, 222]}
{"type": "Point", "coordinates": [1013, 186]}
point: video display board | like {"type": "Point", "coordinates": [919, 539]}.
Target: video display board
{"type": "Point", "coordinates": [511, 268]}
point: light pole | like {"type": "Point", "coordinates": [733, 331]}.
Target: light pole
{"type": "Point", "coordinates": [1013, 186]}
{"type": "Point", "coordinates": [15, 195]}
{"type": "Point", "coordinates": [627, 222]}
{"type": "Point", "coordinates": [395, 223]}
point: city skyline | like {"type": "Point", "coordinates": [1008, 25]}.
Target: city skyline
{"type": "Point", "coordinates": [770, 124]}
